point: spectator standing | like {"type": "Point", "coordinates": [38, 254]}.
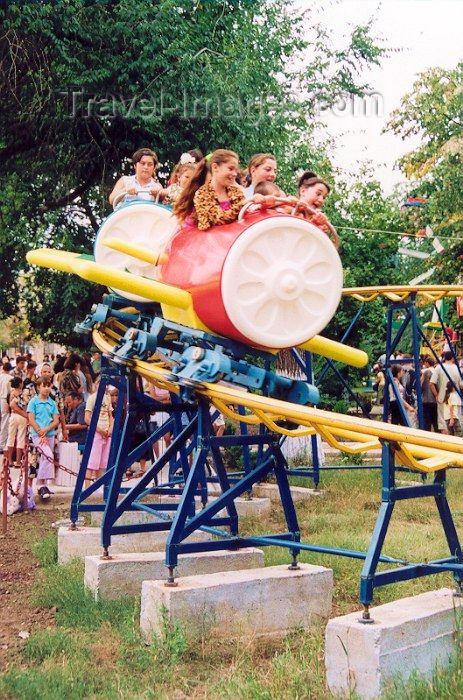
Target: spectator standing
{"type": "Point", "coordinates": [76, 427]}
{"type": "Point", "coordinates": [43, 417]}
{"type": "Point", "coordinates": [20, 367]}
{"type": "Point", "coordinates": [85, 377]}
{"type": "Point", "coordinates": [394, 407]}
{"type": "Point", "coordinates": [452, 410]}
{"type": "Point", "coordinates": [58, 369]}
{"type": "Point", "coordinates": [5, 383]}
{"type": "Point", "coordinates": [99, 454]}
{"type": "Point", "coordinates": [29, 381]}
{"type": "Point", "coordinates": [429, 400]}
{"type": "Point", "coordinates": [17, 427]}
{"type": "Point", "coordinates": [380, 381]}
{"type": "Point", "coordinates": [96, 363]}
{"type": "Point", "coordinates": [438, 385]}
{"type": "Point", "coordinates": [70, 378]}
{"type": "Point", "coordinates": [57, 397]}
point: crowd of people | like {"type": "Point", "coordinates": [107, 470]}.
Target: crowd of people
{"type": "Point", "coordinates": [40, 403]}
{"type": "Point", "coordinates": [44, 404]}
{"type": "Point", "coordinates": [441, 386]}
{"type": "Point", "coordinates": [211, 190]}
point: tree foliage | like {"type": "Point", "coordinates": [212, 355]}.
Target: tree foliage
{"type": "Point", "coordinates": [86, 83]}
{"type": "Point", "coordinates": [433, 110]}
{"type": "Point", "coordinates": [366, 220]}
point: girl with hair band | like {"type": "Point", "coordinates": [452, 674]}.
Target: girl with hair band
{"type": "Point", "coordinates": [313, 191]}
{"type": "Point", "coordinates": [262, 168]}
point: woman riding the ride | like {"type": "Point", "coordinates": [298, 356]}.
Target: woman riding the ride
{"type": "Point", "coordinates": [142, 184]}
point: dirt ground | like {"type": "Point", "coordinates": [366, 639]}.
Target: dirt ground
{"type": "Point", "coordinates": [18, 577]}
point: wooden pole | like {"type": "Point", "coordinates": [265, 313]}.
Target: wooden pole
{"type": "Point", "coordinates": [5, 494]}
{"type": "Point", "coordinates": [25, 466]}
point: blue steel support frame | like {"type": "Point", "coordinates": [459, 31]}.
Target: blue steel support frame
{"type": "Point", "coordinates": [181, 519]}
{"type": "Point", "coordinates": [370, 578]}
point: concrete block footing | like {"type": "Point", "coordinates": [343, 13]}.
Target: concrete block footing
{"type": "Point", "coordinates": [124, 573]}
{"type": "Point", "coordinates": [129, 517]}
{"type": "Point", "coordinates": [86, 541]}
{"type": "Point", "coordinates": [255, 506]}
{"type": "Point", "coordinates": [234, 604]}
{"type": "Point", "coordinates": [411, 635]}
{"type": "Point", "coordinates": [299, 493]}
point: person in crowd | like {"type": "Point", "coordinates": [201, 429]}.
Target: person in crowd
{"type": "Point", "coordinates": [43, 418]}
{"type": "Point", "coordinates": [218, 423]}
{"type": "Point", "coordinates": [58, 369]}
{"type": "Point", "coordinates": [438, 385]}
{"type": "Point", "coordinates": [96, 363]}
{"type": "Point", "coordinates": [29, 381]}
{"type": "Point", "coordinates": [142, 184]}
{"type": "Point", "coordinates": [87, 366]}
{"type": "Point", "coordinates": [71, 376]}
{"type": "Point", "coordinates": [262, 168]}
{"type": "Point", "coordinates": [394, 407]}
{"type": "Point", "coordinates": [409, 379]}
{"type": "Point", "coordinates": [139, 436]}
{"type": "Point", "coordinates": [17, 426]}
{"type": "Point", "coordinates": [20, 367]}
{"type": "Point", "coordinates": [5, 383]}
{"type": "Point", "coordinates": [380, 381]}
{"type": "Point", "coordinates": [76, 426]}
{"type": "Point", "coordinates": [113, 395]}
{"type": "Point", "coordinates": [158, 418]}
{"type": "Point", "coordinates": [99, 454]}
{"type": "Point", "coordinates": [452, 410]}
{"type": "Point", "coordinates": [429, 399]}
{"type": "Point", "coordinates": [57, 397]}
{"type": "Point", "coordinates": [313, 191]}
{"type": "Point", "coordinates": [85, 379]}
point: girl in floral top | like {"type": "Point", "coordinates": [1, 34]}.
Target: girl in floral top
{"type": "Point", "coordinates": [214, 200]}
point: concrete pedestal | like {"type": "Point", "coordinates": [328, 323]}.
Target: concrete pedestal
{"type": "Point", "coordinates": [86, 541]}
{"type": "Point", "coordinates": [130, 517]}
{"type": "Point", "coordinates": [124, 573]}
{"type": "Point", "coordinates": [299, 493]}
{"type": "Point", "coordinates": [411, 635]}
{"type": "Point", "coordinates": [233, 604]}
{"type": "Point", "coordinates": [254, 506]}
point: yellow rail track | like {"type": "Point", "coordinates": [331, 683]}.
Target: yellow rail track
{"type": "Point", "coordinates": [425, 294]}
{"type": "Point", "coordinates": [417, 449]}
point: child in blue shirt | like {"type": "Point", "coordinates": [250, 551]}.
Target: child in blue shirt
{"type": "Point", "coordinates": [43, 417]}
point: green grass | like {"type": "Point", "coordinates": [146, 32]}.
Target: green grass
{"type": "Point", "coordinates": [95, 650]}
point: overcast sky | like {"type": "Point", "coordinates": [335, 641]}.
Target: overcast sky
{"type": "Point", "coordinates": [429, 33]}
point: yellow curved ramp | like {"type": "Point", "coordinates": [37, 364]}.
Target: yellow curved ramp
{"type": "Point", "coordinates": [416, 449]}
